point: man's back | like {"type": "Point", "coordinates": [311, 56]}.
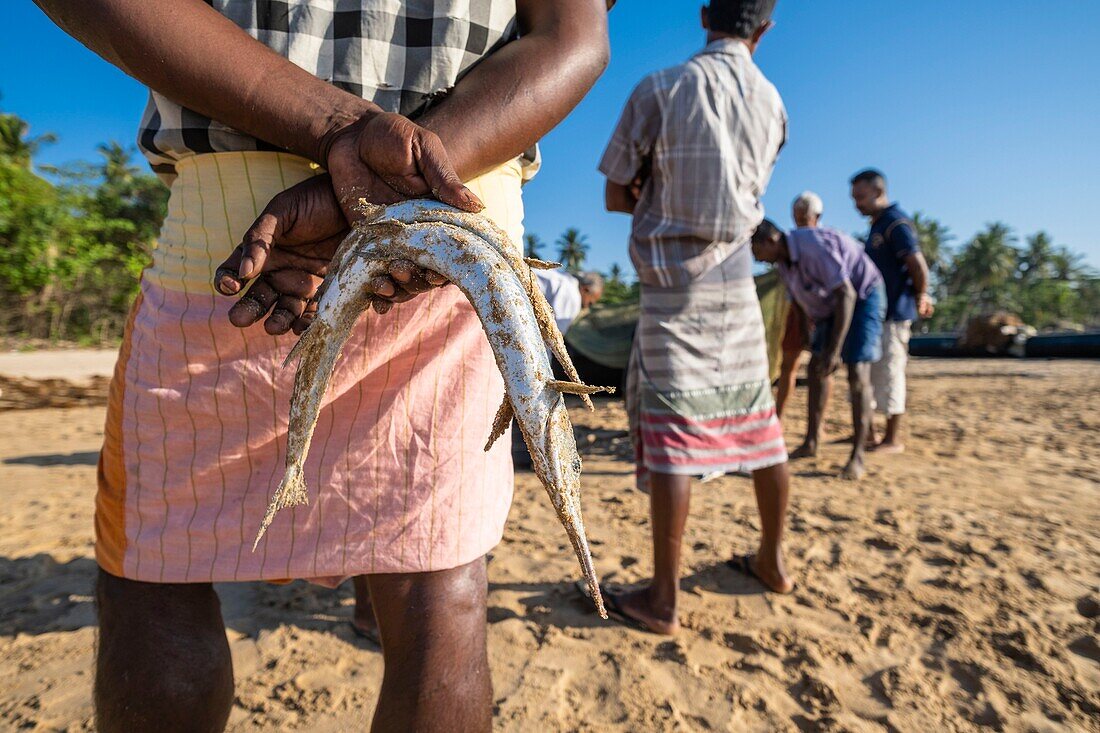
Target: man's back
{"type": "Point", "coordinates": [706, 133]}
{"type": "Point", "coordinates": [822, 258]}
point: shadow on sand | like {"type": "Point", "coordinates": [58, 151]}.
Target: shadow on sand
{"type": "Point", "coordinates": [80, 458]}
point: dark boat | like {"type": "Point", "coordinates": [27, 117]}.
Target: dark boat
{"type": "Point", "coordinates": [939, 345]}
{"type": "Point", "coordinates": [1070, 345]}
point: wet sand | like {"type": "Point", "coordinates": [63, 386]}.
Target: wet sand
{"type": "Point", "coordinates": [953, 588]}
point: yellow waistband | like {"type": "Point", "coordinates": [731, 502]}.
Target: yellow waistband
{"type": "Point", "coordinates": [215, 197]}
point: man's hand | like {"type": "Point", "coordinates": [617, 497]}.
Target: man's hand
{"type": "Point", "coordinates": [284, 255]}
{"type": "Point", "coordinates": [925, 308]}
{"type": "Point", "coordinates": [827, 364]}
{"type": "Point", "coordinates": [384, 158]}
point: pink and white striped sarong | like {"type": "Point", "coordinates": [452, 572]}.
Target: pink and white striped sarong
{"type": "Point", "coordinates": [698, 387]}
{"type": "Point", "coordinates": [195, 438]}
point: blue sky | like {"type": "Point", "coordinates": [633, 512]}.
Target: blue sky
{"type": "Point", "coordinates": [977, 111]}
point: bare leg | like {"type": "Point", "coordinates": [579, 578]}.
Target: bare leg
{"type": "Point", "coordinates": [433, 642]}
{"type": "Point", "coordinates": [788, 377]}
{"type": "Point", "coordinates": [819, 400]}
{"type": "Point", "coordinates": [772, 487]}
{"type": "Point", "coordinates": [859, 385]}
{"type": "Point", "coordinates": [363, 618]}
{"type": "Point", "coordinates": [163, 662]}
{"type": "Point", "coordinates": [655, 605]}
{"type": "Point", "coordinates": [891, 442]}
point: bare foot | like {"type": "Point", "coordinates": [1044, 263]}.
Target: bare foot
{"type": "Point", "coordinates": [853, 471]}
{"type": "Point", "coordinates": [889, 448]}
{"type": "Point", "coordinates": [806, 450]}
{"type": "Point", "coordinates": [771, 573]}
{"type": "Point", "coordinates": [637, 606]}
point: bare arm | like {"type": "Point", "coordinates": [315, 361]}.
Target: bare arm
{"type": "Point", "coordinates": [521, 92]}
{"type": "Point", "coordinates": [805, 322]}
{"type": "Point", "coordinates": [918, 271]}
{"type": "Point", "coordinates": [187, 51]}
{"type": "Point", "coordinates": [842, 321]}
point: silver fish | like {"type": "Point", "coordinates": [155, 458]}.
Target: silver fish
{"type": "Point", "coordinates": [479, 259]}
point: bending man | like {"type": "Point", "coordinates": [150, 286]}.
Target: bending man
{"type": "Point", "coordinates": [836, 285]}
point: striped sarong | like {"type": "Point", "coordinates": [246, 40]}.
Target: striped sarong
{"type": "Point", "coordinates": [698, 390]}
{"type": "Point", "coordinates": [195, 440]}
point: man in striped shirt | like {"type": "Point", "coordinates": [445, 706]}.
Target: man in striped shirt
{"type": "Point", "coordinates": [689, 160]}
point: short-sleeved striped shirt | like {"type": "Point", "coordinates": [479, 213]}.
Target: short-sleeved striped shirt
{"type": "Point", "coordinates": [705, 135]}
{"type": "Point", "coordinates": [399, 54]}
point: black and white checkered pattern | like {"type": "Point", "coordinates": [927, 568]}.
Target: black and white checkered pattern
{"type": "Point", "coordinates": [396, 53]}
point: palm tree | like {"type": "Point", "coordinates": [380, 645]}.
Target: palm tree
{"type": "Point", "coordinates": [1037, 261]}
{"type": "Point", "coordinates": [117, 168]}
{"type": "Point", "coordinates": [933, 238]}
{"type": "Point", "coordinates": [16, 144]}
{"type": "Point", "coordinates": [615, 274]}
{"type": "Point", "coordinates": [984, 268]}
{"type": "Point", "coordinates": [572, 248]}
{"type": "Point", "coordinates": [532, 246]}
{"type": "Point", "coordinates": [1066, 265]}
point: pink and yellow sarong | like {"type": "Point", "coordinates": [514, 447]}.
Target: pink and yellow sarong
{"type": "Point", "coordinates": [195, 438]}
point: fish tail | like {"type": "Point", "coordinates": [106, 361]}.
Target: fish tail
{"type": "Point", "coordinates": [291, 492]}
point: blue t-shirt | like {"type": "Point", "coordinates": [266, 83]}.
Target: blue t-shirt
{"type": "Point", "coordinates": [893, 238]}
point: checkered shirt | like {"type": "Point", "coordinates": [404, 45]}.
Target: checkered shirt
{"type": "Point", "coordinates": [399, 54]}
{"type": "Point", "coordinates": [704, 136]}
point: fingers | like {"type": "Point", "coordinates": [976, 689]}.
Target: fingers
{"type": "Point", "coordinates": [253, 305]}
{"type": "Point", "coordinates": [288, 309]}
{"type": "Point", "coordinates": [258, 241]}
{"type": "Point", "coordinates": [409, 277]}
{"type": "Point", "coordinates": [383, 286]}
{"type": "Point", "coordinates": [303, 322]}
{"type": "Point", "coordinates": [297, 283]}
{"type": "Point", "coordinates": [227, 279]}
{"type": "Point", "coordinates": [440, 175]}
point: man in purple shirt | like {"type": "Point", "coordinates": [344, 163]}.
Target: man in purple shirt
{"type": "Point", "coordinates": [839, 288]}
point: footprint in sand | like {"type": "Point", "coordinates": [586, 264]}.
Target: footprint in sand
{"type": "Point", "coordinates": [1087, 647]}
{"type": "Point", "coordinates": [1088, 606]}
{"type": "Point", "coordinates": [1014, 646]}
{"type": "Point", "coordinates": [881, 543]}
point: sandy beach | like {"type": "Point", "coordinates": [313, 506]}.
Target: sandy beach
{"type": "Point", "coordinates": [954, 588]}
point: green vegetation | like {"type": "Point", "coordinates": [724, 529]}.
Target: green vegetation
{"type": "Point", "coordinates": [74, 241]}
{"type": "Point", "coordinates": [72, 246]}
{"type": "Point", "coordinates": [572, 249]}
{"type": "Point", "coordinates": [1046, 285]}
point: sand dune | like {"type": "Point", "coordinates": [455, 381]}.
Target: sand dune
{"type": "Point", "coordinates": [954, 588]}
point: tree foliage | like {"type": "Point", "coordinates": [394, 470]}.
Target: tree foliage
{"type": "Point", "coordinates": [1044, 284]}
{"type": "Point", "coordinates": [572, 249]}
{"type": "Point", "coordinates": [72, 249]}
{"type": "Point", "coordinates": [74, 242]}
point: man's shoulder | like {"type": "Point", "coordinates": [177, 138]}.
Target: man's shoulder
{"type": "Point", "coordinates": [817, 239]}
{"type": "Point", "coordinates": [662, 80]}
{"type": "Point", "coordinates": [891, 218]}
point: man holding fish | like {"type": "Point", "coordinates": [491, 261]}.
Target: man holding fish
{"type": "Point", "coordinates": [689, 160]}
{"type": "Point", "coordinates": [275, 119]}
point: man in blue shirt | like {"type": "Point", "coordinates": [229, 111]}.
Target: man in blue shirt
{"type": "Point", "coordinates": [894, 248]}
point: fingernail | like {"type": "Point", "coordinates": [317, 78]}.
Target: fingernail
{"type": "Point", "coordinates": [472, 200]}
{"type": "Point", "coordinates": [246, 267]}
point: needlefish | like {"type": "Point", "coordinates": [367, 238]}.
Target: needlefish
{"type": "Point", "coordinates": [479, 258]}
